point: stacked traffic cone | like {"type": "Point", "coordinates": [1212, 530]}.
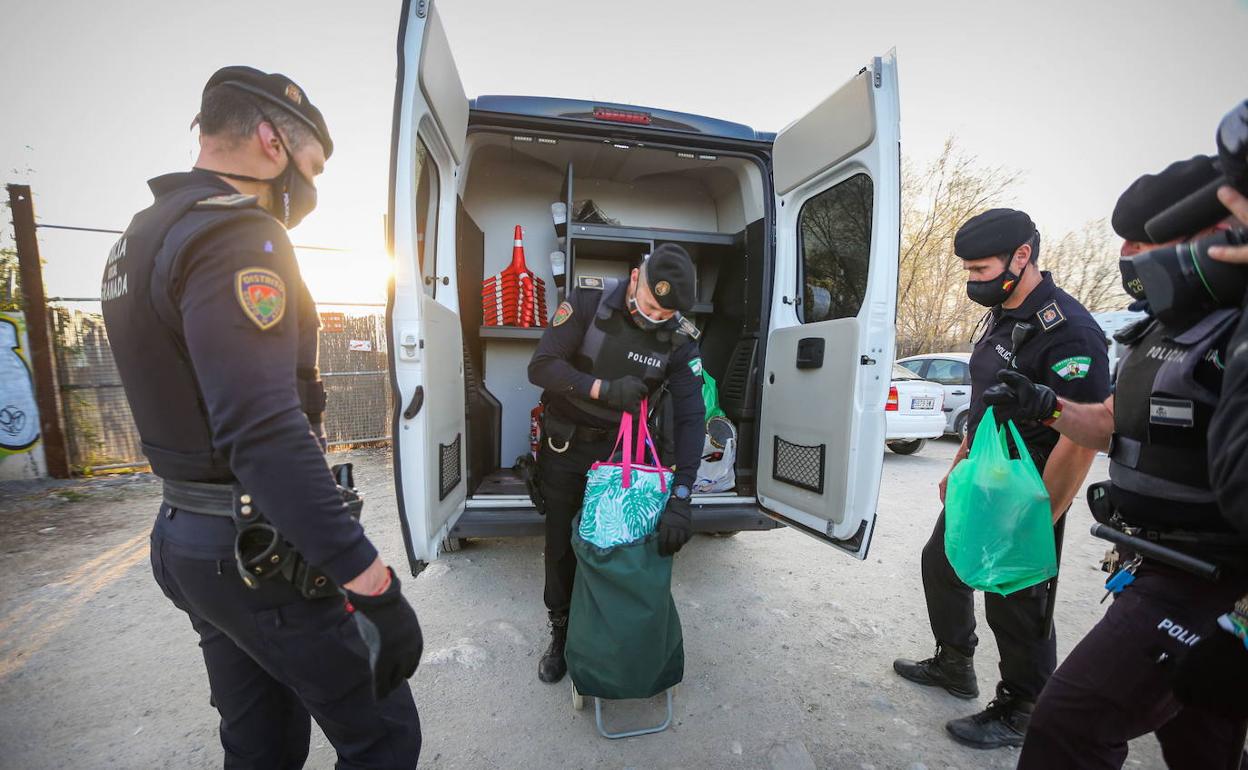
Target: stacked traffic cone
{"type": "Point", "coordinates": [514, 296]}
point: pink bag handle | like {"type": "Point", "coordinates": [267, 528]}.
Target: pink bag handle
{"type": "Point", "coordinates": [638, 455]}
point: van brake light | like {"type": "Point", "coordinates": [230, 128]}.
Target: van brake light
{"type": "Point", "coordinates": [891, 404]}
{"type": "Point", "coordinates": [622, 116]}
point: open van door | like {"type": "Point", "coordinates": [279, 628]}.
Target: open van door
{"type": "Point", "coordinates": [425, 339]}
{"type": "Point", "coordinates": [829, 356]}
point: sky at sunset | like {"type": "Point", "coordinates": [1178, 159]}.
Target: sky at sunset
{"type": "Point", "coordinates": [1081, 97]}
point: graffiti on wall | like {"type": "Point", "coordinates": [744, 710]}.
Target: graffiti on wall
{"type": "Point", "coordinates": [21, 454]}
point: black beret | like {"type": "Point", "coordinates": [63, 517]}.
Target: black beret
{"type": "Point", "coordinates": [670, 277]}
{"type": "Point", "coordinates": [274, 89]}
{"type": "Point", "coordinates": [993, 233]}
{"type": "Point", "coordinates": [1153, 193]}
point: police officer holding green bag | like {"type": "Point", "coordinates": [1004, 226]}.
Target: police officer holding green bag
{"type": "Point", "coordinates": [1035, 328]}
{"type": "Point", "coordinates": [611, 344]}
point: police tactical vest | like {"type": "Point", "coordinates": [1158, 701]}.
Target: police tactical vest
{"type": "Point", "coordinates": [1162, 413]}
{"type": "Point", "coordinates": [143, 281]}
{"type": "Point", "coordinates": [613, 347]}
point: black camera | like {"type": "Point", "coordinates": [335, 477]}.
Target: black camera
{"type": "Point", "coordinates": [1182, 281]}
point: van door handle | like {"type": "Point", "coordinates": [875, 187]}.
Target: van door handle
{"type": "Point", "coordinates": [958, 393]}
{"type": "Point", "coordinates": [413, 406]}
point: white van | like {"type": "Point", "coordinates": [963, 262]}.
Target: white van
{"type": "Point", "coordinates": [795, 237]}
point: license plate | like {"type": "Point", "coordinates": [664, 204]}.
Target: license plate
{"type": "Point", "coordinates": [922, 403]}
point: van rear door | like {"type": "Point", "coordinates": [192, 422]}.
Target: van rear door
{"type": "Point", "coordinates": [426, 340]}
{"type": "Point", "coordinates": [837, 178]}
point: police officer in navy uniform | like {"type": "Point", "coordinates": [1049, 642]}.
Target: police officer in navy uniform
{"type": "Point", "coordinates": [1123, 679]}
{"type": "Point", "coordinates": [214, 334]}
{"type": "Point", "coordinates": [610, 345]}
{"type": "Point", "coordinates": [1036, 328]}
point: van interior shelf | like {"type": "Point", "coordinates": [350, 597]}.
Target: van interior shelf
{"type": "Point", "coordinates": [624, 232]}
{"type": "Point", "coordinates": [513, 332]}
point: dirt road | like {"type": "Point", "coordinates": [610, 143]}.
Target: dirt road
{"type": "Point", "coordinates": [789, 644]}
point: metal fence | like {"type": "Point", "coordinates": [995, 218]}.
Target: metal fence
{"type": "Point", "coordinates": [100, 428]}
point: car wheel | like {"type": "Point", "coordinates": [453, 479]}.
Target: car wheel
{"type": "Point", "coordinates": [959, 426]}
{"type": "Point", "coordinates": [907, 447]}
{"type": "Point", "coordinates": [452, 544]}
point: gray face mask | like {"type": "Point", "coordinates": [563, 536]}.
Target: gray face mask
{"type": "Point", "coordinates": [642, 320]}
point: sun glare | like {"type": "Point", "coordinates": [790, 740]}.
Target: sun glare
{"type": "Point", "coordinates": [351, 276]}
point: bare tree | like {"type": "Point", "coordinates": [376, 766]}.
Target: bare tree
{"type": "Point", "coordinates": [1085, 264]}
{"type": "Point", "coordinates": [933, 312]}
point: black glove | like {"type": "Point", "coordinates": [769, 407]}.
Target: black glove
{"type": "Point", "coordinates": [625, 393]}
{"type": "Point", "coordinates": [1018, 398]}
{"type": "Point", "coordinates": [1212, 674]}
{"type": "Point", "coordinates": [391, 632]}
{"type": "Point", "coordinates": [675, 526]}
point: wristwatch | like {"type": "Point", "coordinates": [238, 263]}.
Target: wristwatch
{"type": "Point", "coordinates": [681, 492]}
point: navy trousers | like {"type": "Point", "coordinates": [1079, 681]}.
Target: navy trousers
{"type": "Point", "coordinates": [276, 660]}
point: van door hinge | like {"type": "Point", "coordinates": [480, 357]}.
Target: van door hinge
{"type": "Point", "coordinates": [877, 65]}
{"type": "Point", "coordinates": [422, 8]}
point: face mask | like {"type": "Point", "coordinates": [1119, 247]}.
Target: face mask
{"type": "Point", "coordinates": [1131, 282]}
{"type": "Point", "coordinates": [994, 291]}
{"type": "Point", "coordinates": [642, 320]}
{"type": "Point", "coordinates": [292, 195]}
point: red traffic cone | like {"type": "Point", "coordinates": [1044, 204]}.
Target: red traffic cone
{"type": "Point", "coordinates": [514, 296]}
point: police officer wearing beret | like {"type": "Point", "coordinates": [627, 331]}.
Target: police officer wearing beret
{"type": "Point", "coordinates": [610, 345]}
{"type": "Point", "coordinates": [214, 334]}
{"type": "Point", "coordinates": [1036, 329]}
{"type": "Point", "coordinates": [1166, 426]}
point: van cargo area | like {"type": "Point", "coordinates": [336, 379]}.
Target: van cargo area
{"type": "Point", "coordinates": [621, 199]}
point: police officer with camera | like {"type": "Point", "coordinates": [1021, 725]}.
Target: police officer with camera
{"type": "Point", "coordinates": [610, 345]}
{"type": "Point", "coordinates": [1178, 562]}
{"type": "Point", "coordinates": [1035, 328]}
{"type": "Point", "coordinates": [214, 335]}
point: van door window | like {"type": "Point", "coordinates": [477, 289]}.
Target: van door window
{"type": "Point", "coordinates": [426, 216]}
{"type": "Point", "coordinates": [834, 239]}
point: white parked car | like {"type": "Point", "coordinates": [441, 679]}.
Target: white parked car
{"type": "Point", "coordinates": [952, 371]}
{"type": "Point", "coordinates": [912, 413]}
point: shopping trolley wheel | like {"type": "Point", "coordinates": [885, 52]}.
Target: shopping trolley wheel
{"type": "Point", "coordinates": [578, 700]}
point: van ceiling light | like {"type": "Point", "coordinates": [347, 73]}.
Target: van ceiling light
{"type": "Point", "coordinates": [521, 138]}
{"type": "Point", "coordinates": [708, 157]}
{"type": "Point", "coordinates": [688, 155]}
{"type": "Point", "coordinates": [546, 140]}
{"type": "Point", "coordinates": [620, 146]}
{"type": "Point", "coordinates": [622, 116]}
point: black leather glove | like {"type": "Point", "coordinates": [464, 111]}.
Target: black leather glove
{"type": "Point", "coordinates": [390, 630]}
{"type": "Point", "coordinates": [1212, 674]}
{"type": "Point", "coordinates": [1018, 398]}
{"type": "Point", "coordinates": [675, 526]}
{"type": "Point", "coordinates": [625, 393]}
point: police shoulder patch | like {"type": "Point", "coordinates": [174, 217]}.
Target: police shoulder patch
{"type": "Point", "coordinates": [695, 366]}
{"type": "Point", "coordinates": [262, 295]}
{"type": "Point", "coordinates": [688, 328]}
{"type": "Point", "coordinates": [982, 328]}
{"type": "Point", "coordinates": [589, 282]}
{"type": "Point", "coordinates": [228, 201]}
{"type": "Point", "coordinates": [1073, 368]}
{"type": "Point", "coordinates": [563, 313]}
{"type": "Point", "coordinates": [1050, 316]}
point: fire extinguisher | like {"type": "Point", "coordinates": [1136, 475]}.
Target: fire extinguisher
{"type": "Point", "coordinates": [535, 429]}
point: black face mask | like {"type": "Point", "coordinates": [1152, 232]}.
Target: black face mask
{"type": "Point", "coordinates": [994, 291]}
{"type": "Point", "coordinates": [1131, 282]}
{"type": "Point", "coordinates": [292, 195]}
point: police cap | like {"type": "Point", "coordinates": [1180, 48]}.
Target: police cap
{"type": "Point", "coordinates": [670, 277]}
{"type": "Point", "coordinates": [275, 89]}
{"type": "Point", "coordinates": [1153, 193]}
{"type": "Point", "coordinates": [993, 233]}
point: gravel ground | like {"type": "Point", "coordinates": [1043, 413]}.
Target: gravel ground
{"type": "Point", "coordinates": [788, 642]}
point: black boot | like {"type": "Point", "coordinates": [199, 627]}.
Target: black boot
{"type": "Point", "coordinates": [552, 666]}
{"type": "Point", "coordinates": [1003, 723]}
{"type": "Point", "coordinates": [948, 668]}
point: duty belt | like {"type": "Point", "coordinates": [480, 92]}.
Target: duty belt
{"type": "Point", "coordinates": [260, 551]}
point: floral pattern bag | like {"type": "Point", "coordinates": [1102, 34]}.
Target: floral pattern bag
{"type": "Point", "coordinates": [623, 500]}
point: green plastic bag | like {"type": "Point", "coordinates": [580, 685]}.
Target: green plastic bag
{"type": "Point", "coordinates": [998, 519]}
{"type": "Point", "coordinates": [710, 396]}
